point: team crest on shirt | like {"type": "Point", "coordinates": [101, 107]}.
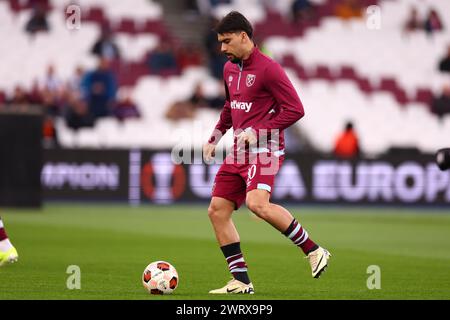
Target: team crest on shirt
{"type": "Point", "coordinates": [250, 80]}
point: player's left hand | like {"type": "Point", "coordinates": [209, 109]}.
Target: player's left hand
{"type": "Point", "coordinates": [248, 136]}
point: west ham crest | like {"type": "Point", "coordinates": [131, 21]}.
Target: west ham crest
{"type": "Point", "coordinates": [230, 78]}
{"type": "Point", "coordinates": [250, 80]}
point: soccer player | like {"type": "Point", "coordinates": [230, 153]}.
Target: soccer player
{"type": "Point", "coordinates": [7, 252]}
{"type": "Point", "coordinates": [261, 102]}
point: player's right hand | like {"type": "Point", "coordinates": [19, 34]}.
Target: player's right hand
{"type": "Point", "coordinates": [209, 151]}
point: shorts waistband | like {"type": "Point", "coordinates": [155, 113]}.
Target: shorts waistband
{"type": "Point", "coordinates": [276, 153]}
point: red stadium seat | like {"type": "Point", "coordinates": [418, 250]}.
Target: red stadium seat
{"type": "Point", "coordinates": [347, 73]}
{"type": "Point", "coordinates": [44, 4]}
{"type": "Point", "coordinates": [424, 96]}
{"type": "Point", "coordinates": [154, 26]}
{"type": "Point", "coordinates": [126, 25]}
{"type": "Point", "coordinates": [388, 84]}
{"type": "Point", "coordinates": [365, 85]}
{"type": "Point", "coordinates": [15, 6]}
{"type": "Point", "coordinates": [323, 72]}
{"type": "Point", "coordinates": [400, 96]}
{"type": "Point", "coordinates": [95, 14]}
{"type": "Point", "coordinates": [289, 61]}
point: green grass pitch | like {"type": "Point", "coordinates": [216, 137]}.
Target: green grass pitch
{"type": "Point", "coordinates": [112, 244]}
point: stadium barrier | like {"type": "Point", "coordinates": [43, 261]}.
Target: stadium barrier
{"type": "Point", "coordinates": [143, 176]}
{"type": "Point", "coordinates": [20, 156]}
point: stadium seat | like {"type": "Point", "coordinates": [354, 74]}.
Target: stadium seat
{"type": "Point", "coordinates": [323, 72]}
{"type": "Point", "coordinates": [347, 73]}
{"type": "Point", "coordinates": [126, 25]}
{"type": "Point", "coordinates": [87, 138]}
{"type": "Point", "coordinates": [95, 14]}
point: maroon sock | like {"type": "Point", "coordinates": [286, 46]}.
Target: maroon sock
{"type": "Point", "coordinates": [3, 235]}
{"type": "Point", "coordinates": [299, 237]}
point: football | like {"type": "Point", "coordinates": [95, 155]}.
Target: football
{"type": "Point", "coordinates": [160, 277]}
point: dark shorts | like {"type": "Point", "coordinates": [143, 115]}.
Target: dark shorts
{"type": "Point", "coordinates": [234, 180]}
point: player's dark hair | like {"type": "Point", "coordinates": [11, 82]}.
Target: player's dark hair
{"type": "Point", "coordinates": [234, 22]}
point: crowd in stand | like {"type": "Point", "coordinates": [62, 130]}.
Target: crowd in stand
{"type": "Point", "coordinates": [306, 10]}
{"type": "Point", "coordinates": [93, 94]}
{"type": "Point", "coordinates": [430, 24]}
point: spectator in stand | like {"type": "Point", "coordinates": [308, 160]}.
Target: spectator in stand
{"type": "Point", "coordinates": [215, 3]}
{"type": "Point", "coordinates": [99, 88]}
{"type": "Point", "coordinates": [433, 22]}
{"type": "Point", "coordinates": [51, 104]}
{"type": "Point", "coordinates": [19, 101]}
{"type": "Point", "coordinates": [51, 82]}
{"type": "Point", "coordinates": [35, 95]}
{"type": "Point", "coordinates": [2, 99]}
{"type": "Point", "coordinates": [441, 104]}
{"type": "Point", "coordinates": [75, 82]}
{"type": "Point", "coordinates": [302, 10]}
{"type": "Point", "coordinates": [186, 109]}
{"type": "Point", "coordinates": [51, 92]}
{"type": "Point", "coordinates": [218, 101]}
{"type": "Point", "coordinates": [38, 20]}
{"type": "Point", "coordinates": [50, 138]}
{"type": "Point", "coordinates": [45, 4]}
{"type": "Point", "coordinates": [105, 47]}
{"type": "Point", "coordinates": [198, 98]}
{"type": "Point", "coordinates": [180, 110]}
{"type": "Point", "coordinates": [206, 6]}
{"type": "Point", "coordinates": [189, 55]}
{"type": "Point", "coordinates": [77, 115]}
{"type": "Point", "coordinates": [216, 58]}
{"type": "Point", "coordinates": [163, 60]}
{"type": "Point", "coordinates": [413, 22]}
{"type": "Point", "coordinates": [125, 107]}
{"type": "Point", "coordinates": [347, 145]}
{"type": "Point", "coordinates": [210, 37]}
{"type": "Point", "coordinates": [444, 64]}
{"type": "Point", "coordinates": [191, 7]}
{"type": "Point", "coordinates": [348, 9]}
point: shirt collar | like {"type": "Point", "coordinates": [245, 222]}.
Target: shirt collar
{"type": "Point", "coordinates": [251, 58]}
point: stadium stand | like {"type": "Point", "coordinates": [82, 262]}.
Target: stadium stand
{"type": "Point", "coordinates": [383, 80]}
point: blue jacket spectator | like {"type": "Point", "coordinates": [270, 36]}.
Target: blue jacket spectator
{"type": "Point", "coordinates": [99, 88]}
{"type": "Point", "coordinates": [162, 60]}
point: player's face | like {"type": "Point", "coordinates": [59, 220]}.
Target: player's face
{"type": "Point", "coordinates": [232, 45]}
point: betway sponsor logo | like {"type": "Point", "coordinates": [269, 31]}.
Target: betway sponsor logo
{"type": "Point", "coordinates": [246, 106]}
